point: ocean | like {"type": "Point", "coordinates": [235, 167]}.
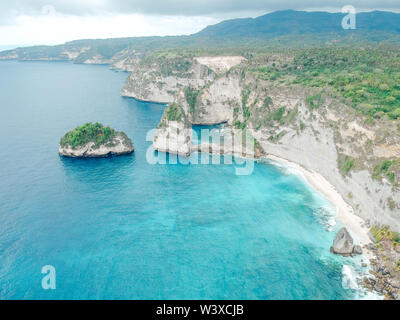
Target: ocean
{"type": "Point", "coordinates": [123, 228]}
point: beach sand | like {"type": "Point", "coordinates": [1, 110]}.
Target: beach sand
{"type": "Point", "coordinates": [345, 213]}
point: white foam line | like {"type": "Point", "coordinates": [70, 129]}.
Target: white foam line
{"type": "Point", "coordinates": [345, 213]}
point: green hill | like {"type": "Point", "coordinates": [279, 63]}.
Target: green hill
{"type": "Point", "coordinates": [289, 28]}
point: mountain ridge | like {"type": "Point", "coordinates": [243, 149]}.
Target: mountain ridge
{"type": "Point", "coordinates": [302, 21]}
{"type": "Point", "coordinates": [276, 29]}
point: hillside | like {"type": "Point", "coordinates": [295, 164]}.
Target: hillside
{"type": "Point", "coordinates": [333, 111]}
{"type": "Point", "coordinates": [295, 86]}
{"type": "Point", "coordinates": [278, 29]}
{"type": "Point", "coordinates": [342, 102]}
{"type": "Point", "coordinates": [289, 22]}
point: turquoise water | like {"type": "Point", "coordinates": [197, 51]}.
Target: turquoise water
{"type": "Point", "coordinates": [122, 228]}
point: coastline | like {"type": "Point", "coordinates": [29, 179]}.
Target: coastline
{"type": "Point", "coordinates": [355, 271]}
{"type": "Point", "coordinates": [345, 213]}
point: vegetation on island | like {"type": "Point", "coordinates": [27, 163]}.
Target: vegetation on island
{"type": "Point", "coordinates": [91, 132]}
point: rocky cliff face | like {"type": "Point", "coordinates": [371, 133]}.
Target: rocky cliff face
{"type": "Point", "coordinates": [206, 93]}
{"type": "Point", "coordinates": [125, 59]}
{"type": "Point", "coordinates": [203, 87]}
{"type": "Point", "coordinates": [174, 133]}
{"type": "Point", "coordinates": [160, 79]}
{"type": "Point", "coordinates": [317, 131]}
{"type": "Point", "coordinates": [215, 102]}
{"type": "Point", "coordinates": [334, 142]}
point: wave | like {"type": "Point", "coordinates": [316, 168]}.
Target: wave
{"type": "Point", "coordinates": [349, 280]}
{"type": "Point", "coordinates": [352, 280]}
{"type": "Point", "coordinates": [325, 213]}
{"type": "Point", "coordinates": [325, 216]}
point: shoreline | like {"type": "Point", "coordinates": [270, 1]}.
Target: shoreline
{"type": "Point", "coordinates": [344, 212]}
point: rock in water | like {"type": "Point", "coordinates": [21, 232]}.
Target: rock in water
{"type": "Point", "coordinates": [174, 133]}
{"type": "Point", "coordinates": [343, 244]}
{"type": "Point", "coordinates": [94, 140]}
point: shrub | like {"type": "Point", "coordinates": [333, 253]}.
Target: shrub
{"type": "Point", "coordinates": [277, 115]}
{"type": "Point", "coordinates": [379, 233]}
{"type": "Point", "coordinates": [240, 125]}
{"type": "Point", "coordinates": [246, 112]}
{"type": "Point", "coordinates": [191, 97]}
{"type": "Point", "coordinates": [384, 233]}
{"type": "Point", "coordinates": [174, 112]}
{"type": "Point", "coordinates": [89, 132]}
{"type": "Point", "coordinates": [395, 114]}
{"type": "Point", "coordinates": [267, 103]}
{"type": "Point", "coordinates": [245, 97]}
{"type": "Point", "coordinates": [346, 164]}
{"type": "Point", "coordinates": [385, 168]}
{"type": "Point", "coordinates": [314, 101]}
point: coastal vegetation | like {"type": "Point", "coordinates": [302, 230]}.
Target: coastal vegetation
{"type": "Point", "coordinates": [174, 112]}
{"type": "Point", "coordinates": [191, 95]}
{"type": "Point", "coordinates": [357, 86]}
{"type": "Point", "coordinates": [387, 169]}
{"type": "Point", "coordinates": [91, 132]}
{"type": "Point", "coordinates": [345, 88]}
{"type": "Point", "coordinates": [346, 164]}
{"type": "Point", "coordinates": [368, 78]}
{"type": "Point", "coordinates": [386, 265]}
{"type": "Point", "coordinates": [279, 29]}
{"type": "Point", "coordinates": [315, 101]}
{"type": "Point", "coordinates": [384, 233]}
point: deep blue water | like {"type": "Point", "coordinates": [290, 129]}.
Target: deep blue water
{"type": "Point", "coordinates": [123, 228]}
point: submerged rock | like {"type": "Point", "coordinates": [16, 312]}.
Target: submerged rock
{"type": "Point", "coordinates": [343, 244]}
{"type": "Point", "coordinates": [94, 140]}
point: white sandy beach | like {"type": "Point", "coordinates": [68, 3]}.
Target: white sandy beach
{"type": "Point", "coordinates": [345, 213]}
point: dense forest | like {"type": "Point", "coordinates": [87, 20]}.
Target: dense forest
{"type": "Point", "coordinates": [367, 77]}
{"type": "Point", "coordinates": [89, 132]}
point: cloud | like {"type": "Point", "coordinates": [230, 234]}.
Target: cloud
{"type": "Point", "coordinates": [9, 9]}
{"type": "Point", "coordinates": [25, 22]}
{"type": "Point", "coordinates": [54, 29]}
{"type": "Point", "coordinates": [207, 7]}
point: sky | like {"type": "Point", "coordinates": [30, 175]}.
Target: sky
{"type": "Point", "coordinates": [33, 22]}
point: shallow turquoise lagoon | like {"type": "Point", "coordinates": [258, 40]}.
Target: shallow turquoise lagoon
{"type": "Point", "coordinates": [123, 228]}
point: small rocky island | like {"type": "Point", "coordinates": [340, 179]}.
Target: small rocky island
{"type": "Point", "coordinates": [93, 140]}
{"type": "Point", "coordinates": [343, 244]}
